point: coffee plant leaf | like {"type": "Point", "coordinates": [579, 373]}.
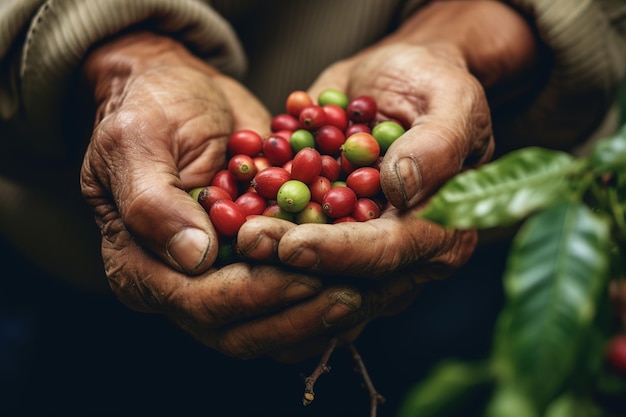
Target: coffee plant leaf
{"type": "Point", "coordinates": [554, 277]}
{"type": "Point", "coordinates": [447, 389]}
{"type": "Point", "coordinates": [571, 405]}
{"type": "Point", "coordinates": [609, 154]}
{"type": "Point", "coordinates": [503, 191]}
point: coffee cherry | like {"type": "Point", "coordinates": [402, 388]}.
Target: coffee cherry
{"type": "Point", "coordinates": [210, 194]}
{"type": "Point", "coordinates": [246, 142]}
{"type": "Point", "coordinates": [336, 116]}
{"type": "Point", "coordinates": [365, 209]}
{"type": "Point", "coordinates": [330, 168]}
{"type": "Point", "coordinates": [339, 202]}
{"type": "Point", "coordinates": [386, 133]}
{"type": "Point", "coordinates": [277, 150]}
{"type": "Point", "coordinates": [301, 138]}
{"type": "Point", "coordinates": [312, 117]}
{"type": "Point", "coordinates": [274, 210]}
{"type": "Point", "coordinates": [319, 187]}
{"type": "Point", "coordinates": [227, 217]}
{"type": "Point", "coordinates": [225, 180]}
{"type": "Point", "coordinates": [306, 165]}
{"type": "Point", "coordinates": [334, 97]}
{"type": "Point", "coordinates": [311, 213]}
{"type": "Point", "coordinates": [251, 203]}
{"type": "Point", "coordinates": [356, 128]}
{"type": "Point", "coordinates": [328, 139]}
{"type": "Point", "coordinates": [284, 121]}
{"type": "Point", "coordinates": [362, 109]}
{"type": "Point", "coordinates": [364, 181]}
{"type": "Point", "coordinates": [296, 101]}
{"type": "Point", "coordinates": [268, 182]}
{"type": "Point", "coordinates": [293, 196]}
{"type": "Point", "coordinates": [616, 353]}
{"type": "Point", "coordinates": [242, 167]}
{"type": "Point", "coordinates": [361, 149]}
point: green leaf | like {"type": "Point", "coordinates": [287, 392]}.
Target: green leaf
{"type": "Point", "coordinates": [609, 154]}
{"type": "Point", "coordinates": [503, 191]}
{"type": "Point", "coordinates": [570, 405]}
{"type": "Point", "coordinates": [446, 390]}
{"type": "Point", "coordinates": [555, 275]}
{"type": "Point", "coordinates": [509, 401]}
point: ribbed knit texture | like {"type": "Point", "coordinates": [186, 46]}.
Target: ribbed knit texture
{"type": "Point", "coordinates": [63, 30]}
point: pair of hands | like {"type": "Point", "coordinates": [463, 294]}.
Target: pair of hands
{"type": "Point", "coordinates": [163, 120]}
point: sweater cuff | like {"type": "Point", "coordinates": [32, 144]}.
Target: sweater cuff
{"type": "Point", "coordinates": [63, 31]}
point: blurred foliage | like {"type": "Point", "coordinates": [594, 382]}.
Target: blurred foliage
{"type": "Point", "coordinates": [547, 357]}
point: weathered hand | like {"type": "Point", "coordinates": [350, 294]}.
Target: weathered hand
{"type": "Point", "coordinates": [161, 129]}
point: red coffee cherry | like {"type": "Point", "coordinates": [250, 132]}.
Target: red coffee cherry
{"type": "Point", "coordinates": [210, 194]}
{"type": "Point", "coordinates": [362, 109]}
{"type": "Point", "coordinates": [328, 139]}
{"type": "Point", "coordinates": [251, 203]}
{"type": "Point", "coordinates": [339, 202]}
{"type": "Point", "coordinates": [336, 116]}
{"type": "Point", "coordinates": [242, 167]}
{"type": "Point", "coordinates": [268, 181]}
{"type": "Point", "coordinates": [319, 187]}
{"type": "Point", "coordinates": [306, 165]}
{"type": "Point", "coordinates": [364, 181]}
{"type": "Point", "coordinates": [365, 209]}
{"type": "Point", "coordinates": [277, 150]}
{"type": "Point", "coordinates": [246, 142]}
{"type": "Point", "coordinates": [312, 117]}
{"type": "Point", "coordinates": [284, 121]}
{"type": "Point", "coordinates": [225, 180]}
{"type": "Point", "coordinates": [227, 217]}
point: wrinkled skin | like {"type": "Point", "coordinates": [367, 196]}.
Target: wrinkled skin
{"type": "Point", "coordinates": [162, 125]}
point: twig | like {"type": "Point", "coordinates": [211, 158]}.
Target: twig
{"type": "Point", "coordinates": [321, 368]}
{"type": "Point", "coordinates": [375, 397]}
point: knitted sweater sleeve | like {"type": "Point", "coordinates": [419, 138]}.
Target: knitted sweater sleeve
{"type": "Point", "coordinates": [42, 43]}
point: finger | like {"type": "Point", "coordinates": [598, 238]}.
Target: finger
{"type": "Point", "coordinates": [450, 130]}
{"type": "Point", "coordinates": [259, 236]}
{"type": "Point", "coordinates": [372, 248]}
{"type": "Point", "coordinates": [216, 298]}
{"type": "Point", "coordinates": [248, 111]}
{"type": "Point", "coordinates": [292, 326]}
{"type": "Point", "coordinates": [335, 76]}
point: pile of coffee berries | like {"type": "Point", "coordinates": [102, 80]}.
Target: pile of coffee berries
{"type": "Point", "coordinates": [319, 164]}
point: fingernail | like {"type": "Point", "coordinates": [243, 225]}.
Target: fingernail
{"type": "Point", "coordinates": [347, 302]}
{"type": "Point", "coordinates": [189, 248]}
{"type": "Point", "coordinates": [410, 178]}
{"type": "Point", "coordinates": [304, 258]}
{"type": "Point", "coordinates": [297, 290]}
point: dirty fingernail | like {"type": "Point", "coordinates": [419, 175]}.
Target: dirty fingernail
{"type": "Point", "coordinates": [410, 178]}
{"type": "Point", "coordinates": [188, 248]}
{"type": "Point", "coordinates": [297, 290]}
{"type": "Point", "coordinates": [346, 303]}
{"type": "Point", "coordinates": [304, 258]}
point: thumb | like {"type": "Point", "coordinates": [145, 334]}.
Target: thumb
{"type": "Point", "coordinates": [454, 134]}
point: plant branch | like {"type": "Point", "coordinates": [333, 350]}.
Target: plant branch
{"type": "Point", "coordinates": [321, 368]}
{"type": "Point", "coordinates": [375, 397]}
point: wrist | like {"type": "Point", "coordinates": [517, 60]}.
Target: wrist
{"type": "Point", "coordinates": [495, 42]}
{"type": "Point", "coordinates": [110, 65]}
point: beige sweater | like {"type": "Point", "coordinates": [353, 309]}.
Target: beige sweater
{"type": "Point", "coordinates": [273, 46]}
